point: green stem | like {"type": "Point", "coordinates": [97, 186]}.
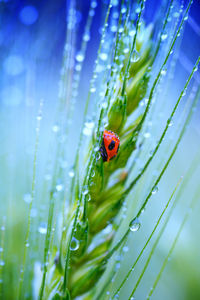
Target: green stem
{"type": "Point", "coordinates": [139, 127]}
{"type": "Point", "coordinates": [163, 30]}
{"type": "Point", "coordinates": [132, 49]}
{"type": "Point", "coordinates": [162, 136]}
{"type": "Point", "coordinates": [172, 247]}
{"type": "Point", "coordinates": [26, 246]}
{"type": "Point", "coordinates": [148, 240]}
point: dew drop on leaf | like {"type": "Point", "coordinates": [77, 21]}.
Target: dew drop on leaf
{"type": "Point", "coordinates": [155, 190]}
{"type": "Point", "coordinates": [164, 36]}
{"type": "Point", "coordinates": [55, 128]}
{"type": "Point", "coordinates": [86, 37]}
{"type": "Point", "coordinates": [147, 135]}
{"type": "Point", "coordinates": [103, 56]}
{"type": "Point", "coordinates": [170, 122]}
{"type": "Point", "coordinates": [71, 173]}
{"type": "Point", "coordinates": [93, 89]}
{"type": "Point", "coordinates": [134, 225]}
{"type": "Point", "coordinates": [123, 10]}
{"type": "Point", "coordinates": [59, 187]}
{"type": "Point", "coordinates": [163, 72]}
{"type": "Point", "coordinates": [132, 32]}
{"type": "Point", "coordinates": [42, 228]}
{"type": "Point", "coordinates": [135, 56]}
{"type": "Point", "coordinates": [85, 190]}
{"type": "Point", "coordinates": [74, 244]}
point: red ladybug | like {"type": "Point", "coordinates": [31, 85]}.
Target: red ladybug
{"type": "Point", "coordinates": [110, 145]}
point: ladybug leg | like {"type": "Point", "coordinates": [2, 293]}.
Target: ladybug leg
{"type": "Point", "coordinates": [103, 152]}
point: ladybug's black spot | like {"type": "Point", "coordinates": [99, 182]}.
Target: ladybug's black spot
{"type": "Point", "coordinates": [104, 154]}
{"type": "Point", "coordinates": [111, 146]}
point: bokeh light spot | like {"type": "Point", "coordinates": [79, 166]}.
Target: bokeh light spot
{"type": "Point", "coordinates": [28, 15]}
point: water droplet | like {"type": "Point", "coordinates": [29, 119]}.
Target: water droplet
{"type": "Point", "coordinates": [118, 257]}
{"type": "Point", "coordinates": [74, 244]}
{"type": "Point", "coordinates": [137, 10]}
{"type": "Point", "coordinates": [113, 28]}
{"type": "Point", "coordinates": [186, 17]}
{"type": "Point", "coordinates": [196, 68]}
{"type": "Point", "coordinates": [46, 264]}
{"type": "Point", "coordinates": [1, 249]}
{"type": "Point", "coordinates": [93, 173]}
{"type": "Point", "coordinates": [39, 117]}
{"type": "Point", "coordinates": [103, 56]}
{"type": "Point", "coordinates": [94, 4]}
{"type": "Point", "coordinates": [123, 10]}
{"type": "Point", "coordinates": [125, 249]}
{"type": "Point", "coordinates": [55, 128]}
{"type": "Point", "coordinates": [27, 198]}
{"type": "Point", "coordinates": [121, 29]}
{"type": "Point", "coordinates": [42, 228]}
{"type": "Point", "coordinates": [115, 3]}
{"type": "Point", "coordinates": [85, 190]}
{"type": "Point", "coordinates": [27, 244]}
{"type": "Point", "coordinates": [135, 56]}
{"type": "Point", "coordinates": [2, 228]}
{"type": "Point", "coordinates": [86, 37]}
{"type": "Point", "coordinates": [79, 57]}
{"type": "Point", "coordinates": [89, 124]}
{"type": "Point", "coordinates": [91, 12]}
{"type": "Point", "coordinates": [59, 187]}
{"type": "Point", "coordinates": [134, 225]}
{"type": "Point", "coordinates": [88, 128]}
{"type": "Point", "coordinates": [92, 89]}
{"type": "Point", "coordinates": [2, 263]}
{"type": "Point", "coordinates": [147, 135]}
{"type": "Point", "coordinates": [132, 298]}
{"type": "Point", "coordinates": [116, 296]}
{"type": "Point", "coordinates": [126, 50]}
{"type": "Point", "coordinates": [117, 267]}
{"type": "Point", "coordinates": [107, 293]}
{"type": "Point", "coordinates": [98, 156]}
{"type": "Point", "coordinates": [175, 14]}
{"type": "Point", "coordinates": [104, 104]}
{"type": "Point", "coordinates": [163, 72]}
{"type": "Point", "coordinates": [78, 67]}
{"type": "Point", "coordinates": [155, 190]}
{"type": "Point", "coordinates": [170, 122]}
{"type": "Point", "coordinates": [164, 36]}
{"type": "Point", "coordinates": [71, 173]}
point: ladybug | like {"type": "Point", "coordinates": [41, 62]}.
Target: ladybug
{"type": "Point", "coordinates": [109, 146]}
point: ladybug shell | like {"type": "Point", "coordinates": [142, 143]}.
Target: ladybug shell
{"type": "Point", "coordinates": [110, 145]}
